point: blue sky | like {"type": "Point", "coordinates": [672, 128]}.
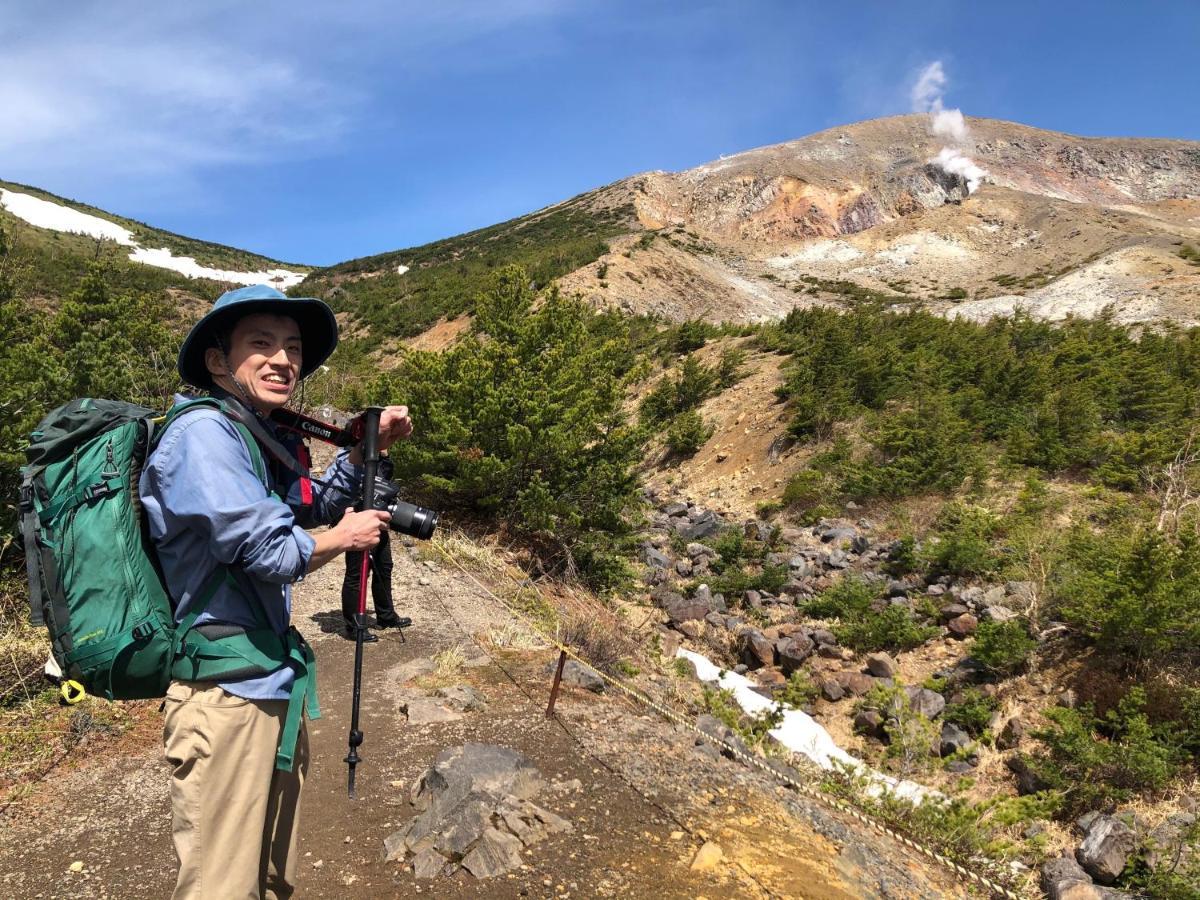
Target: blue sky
{"type": "Point", "coordinates": [318, 132]}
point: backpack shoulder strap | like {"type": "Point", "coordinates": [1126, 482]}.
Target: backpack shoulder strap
{"type": "Point", "coordinates": [29, 524]}
{"type": "Point", "coordinates": [252, 444]}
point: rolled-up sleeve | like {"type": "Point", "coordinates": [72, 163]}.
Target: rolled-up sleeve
{"type": "Point", "coordinates": [202, 478]}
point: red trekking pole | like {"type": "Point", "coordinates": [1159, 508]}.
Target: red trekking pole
{"type": "Point", "coordinates": [370, 453]}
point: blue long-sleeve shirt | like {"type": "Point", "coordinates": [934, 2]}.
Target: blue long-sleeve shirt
{"type": "Point", "coordinates": [207, 508]}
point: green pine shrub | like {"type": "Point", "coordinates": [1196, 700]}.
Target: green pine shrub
{"type": "Point", "coordinates": [690, 335]}
{"type": "Point", "coordinates": [1085, 396]}
{"type": "Point", "coordinates": [799, 691]}
{"type": "Point", "coordinates": [1134, 591]}
{"type": "Point", "coordinates": [523, 420]}
{"type": "Point", "coordinates": [964, 542]}
{"type": "Point", "coordinates": [864, 627]}
{"type": "Point", "coordinates": [972, 711]}
{"type": "Point", "coordinates": [687, 433]}
{"type": "Point", "coordinates": [1097, 762]}
{"type": "Point", "coordinates": [96, 344]}
{"type": "Point", "coordinates": [692, 385]}
{"type": "Point", "coordinates": [1003, 647]}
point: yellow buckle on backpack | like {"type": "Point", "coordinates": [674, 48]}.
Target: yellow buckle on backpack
{"type": "Point", "coordinates": [72, 691]}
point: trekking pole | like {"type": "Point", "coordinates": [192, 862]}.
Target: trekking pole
{"type": "Point", "coordinates": [370, 453]}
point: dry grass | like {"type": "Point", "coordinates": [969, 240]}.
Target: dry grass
{"type": "Point", "coordinates": [597, 641]}
{"type": "Point", "coordinates": [447, 669]}
{"type": "Point", "coordinates": [512, 636]}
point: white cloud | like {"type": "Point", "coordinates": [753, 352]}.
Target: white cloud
{"type": "Point", "coordinates": [155, 101]}
{"type": "Point", "coordinates": [126, 90]}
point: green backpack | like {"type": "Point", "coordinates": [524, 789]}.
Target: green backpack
{"type": "Point", "coordinates": [94, 577]}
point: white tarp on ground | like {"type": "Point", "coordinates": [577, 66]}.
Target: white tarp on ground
{"type": "Point", "coordinates": [55, 217]}
{"type": "Point", "coordinates": [801, 733]}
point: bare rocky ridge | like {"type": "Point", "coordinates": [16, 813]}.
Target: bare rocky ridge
{"type": "Point", "coordinates": [1061, 225]}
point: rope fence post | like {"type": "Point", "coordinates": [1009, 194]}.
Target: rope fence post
{"type": "Point", "coordinates": [562, 661]}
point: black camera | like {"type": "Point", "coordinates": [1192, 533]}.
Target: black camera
{"type": "Point", "coordinates": [407, 518]}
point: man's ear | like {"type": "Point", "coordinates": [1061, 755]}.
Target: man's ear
{"type": "Point", "coordinates": [214, 361]}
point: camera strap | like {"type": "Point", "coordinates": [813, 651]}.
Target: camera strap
{"type": "Point", "coordinates": [267, 440]}
{"type": "Point", "coordinates": [322, 431]}
{"type": "Point", "coordinates": [278, 451]}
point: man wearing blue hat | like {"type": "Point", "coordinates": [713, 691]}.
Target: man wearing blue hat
{"type": "Point", "coordinates": [230, 546]}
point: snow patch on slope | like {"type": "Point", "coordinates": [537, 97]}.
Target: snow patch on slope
{"type": "Point", "coordinates": [55, 217]}
{"type": "Point", "coordinates": [44, 214]}
{"type": "Point", "coordinates": [186, 265]}
{"type": "Point", "coordinates": [801, 732]}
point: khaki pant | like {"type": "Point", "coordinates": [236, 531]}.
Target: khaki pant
{"type": "Point", "coordinates": [235, 818]}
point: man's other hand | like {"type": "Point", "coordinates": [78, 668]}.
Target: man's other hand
{"type": "Point", "coordinates": [394, 424]}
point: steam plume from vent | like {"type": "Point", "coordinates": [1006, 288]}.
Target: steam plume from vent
{"type": "Point", "coordinates": [949, 124]}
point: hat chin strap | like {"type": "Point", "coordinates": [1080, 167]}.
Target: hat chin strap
{"type": "Point", "coordinates": [241, 389]}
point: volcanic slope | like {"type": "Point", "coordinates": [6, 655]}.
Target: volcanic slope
{"type": "Point", "coordinates": [1059, 225]}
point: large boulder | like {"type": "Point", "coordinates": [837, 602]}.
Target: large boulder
{"type": "Point", "coordinates": [953, 739]}
{"type": "Point", "coordinates": [996, 613]}
{"type": "Point", "coordinates": [1028, 780]}
{"type": "Point", "coordinates": [475, 809]}
{"type": "Point", "coordinates": [992, 596]}
{"type": "Point", "coordinates": [856, 684]}
{"type": "Point", "coordinates": [963, 626]}
{"type": "Point", "coordinates": [578, 675]}
{"type": "Point", "coordinates": [476, 767]}
{"type": "Point", "coordinates": [1011, 734]}
{"type": "Point", "coordinates": [837, 559]}
{"type": "Point", "coordinates": [756, 649]}
{"type": "Point", "coordinates": [684, 609]}
{"type": "Point", "coordinates": [1106, 848]}
{"type": "Point", "coordinates": [924, 701]}
{"type": "Point", "coordinates": [794, 651]}
{"type": "Point", "coordinates": [655, 559]}
{"type": "Point", "coordinates": [1063, 879]}
{"type": "Point", "coordinates": [871, 723]}
{"type": "Point", "coordinates": [881, 665]}
{"type": "Point", "coordinates": [704, 524]}
{"type": "Point", "coordinates": [838, 536]}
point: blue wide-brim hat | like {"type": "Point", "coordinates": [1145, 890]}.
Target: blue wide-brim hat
{"type": "Point", "coordinates": [318, 328]}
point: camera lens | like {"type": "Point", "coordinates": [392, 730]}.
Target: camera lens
{"type": "Point", "coordinates": [415, 521]}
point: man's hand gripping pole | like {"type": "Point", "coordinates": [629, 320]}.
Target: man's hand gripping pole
{"type": "Point", "coordinates": [370, 453]}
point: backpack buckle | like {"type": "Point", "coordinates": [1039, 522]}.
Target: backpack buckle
{"type": "Point", "coordinates": [143, 631]}
{"type": "Point", "coordinates": [94, 491]}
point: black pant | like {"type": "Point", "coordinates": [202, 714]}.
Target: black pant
{"type": "Point", "coordinates": [381, 581]}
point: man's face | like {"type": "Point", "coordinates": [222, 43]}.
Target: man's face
{"type": "Point", "coordinates": [264, 354]}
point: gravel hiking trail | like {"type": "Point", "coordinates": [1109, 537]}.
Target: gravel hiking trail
{"type": "Point", "coordinates": [642, 798]}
